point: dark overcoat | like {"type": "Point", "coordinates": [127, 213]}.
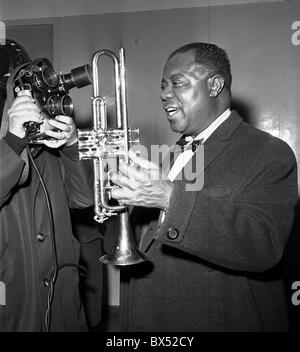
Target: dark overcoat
{"type": "Point", "coordinates": [26, 251]}
{"type": "Point", "coordinates": [214, 260]}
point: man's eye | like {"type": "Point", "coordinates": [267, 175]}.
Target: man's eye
{"type": "Point", "coordinates": [163, 85]}
{"type": "Point", "coordinates": [177, 84]}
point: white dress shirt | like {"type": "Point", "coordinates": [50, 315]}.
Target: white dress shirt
{"type": "Point", "coordinates": [186, 155]}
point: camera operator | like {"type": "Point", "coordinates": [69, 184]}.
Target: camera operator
{"type": "Point", "coordinates": [39, 254]}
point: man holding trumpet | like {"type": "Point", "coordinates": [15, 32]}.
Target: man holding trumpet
{"type": "Point", "coordinates": [214, 250]}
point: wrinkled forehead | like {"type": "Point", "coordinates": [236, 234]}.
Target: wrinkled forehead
{"type": "Point", "coordinates": [182, 64]}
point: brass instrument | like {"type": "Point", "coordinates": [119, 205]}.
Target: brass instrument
{"type": "Point", "coordinates": [102, 144]}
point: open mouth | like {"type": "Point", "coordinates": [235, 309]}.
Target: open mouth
{"type": "Point", "coordinates": [171, 111]}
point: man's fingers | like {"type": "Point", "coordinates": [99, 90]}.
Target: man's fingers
{"type": "Point", "coordinates": [21, 99]}
{"type": "Point", "coordinates": [139, 161]}
{"type": "Point", "coordinates": [24, 107]}
{"type": "Point", "coordinates": [55, 135]}
{"type": "Point", "coordinates": [129, 171]}
{"type": "Point", "coordinates": [53, 143]}
{"type": "Point", "coordinates": [60, 125]}
{"type": "Point", "coordinates": [123, 181]}
{"type": "Point", "coordinates": [64, 119]}
{"type": "Point", "coordinates": [121, 194]}
{"type": "Point", "coordinates": [24, 118]}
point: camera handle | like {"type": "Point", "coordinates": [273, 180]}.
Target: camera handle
{"type": "Point", "coordinates": [31, 127]}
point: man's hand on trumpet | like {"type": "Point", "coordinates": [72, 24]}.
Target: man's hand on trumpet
{"type": "Point", "coordinates": [142, 183]}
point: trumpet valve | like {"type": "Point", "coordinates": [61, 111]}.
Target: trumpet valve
{"type": "Point", "coordinates": [134, 141]}
{"type": "Point", "coordinates": [89, 143]}
{"type": "Point", "coordinates": [134, 131]}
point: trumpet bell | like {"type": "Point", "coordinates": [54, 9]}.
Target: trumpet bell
{"type": "Point", "coordinates": [124, 251]}
{"type": "Point", "coordinates": [121, 258]}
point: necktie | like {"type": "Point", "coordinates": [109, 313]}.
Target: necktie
{"type": "Point", "coordinates": [182, 142]}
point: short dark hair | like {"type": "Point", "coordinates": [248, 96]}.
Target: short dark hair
{"type": "Point", "coordinates": [214, 59]}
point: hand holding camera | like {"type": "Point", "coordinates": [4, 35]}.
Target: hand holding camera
{"type": "Point", "coordinates": [46, 119]}
{"type": "Point", "coordinates": [64, 132]}
{"type": "Point", "coordinates": [22, 111]}
{"type": "Point", "coordinates": [56, 132]}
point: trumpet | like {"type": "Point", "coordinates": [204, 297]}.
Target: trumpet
{"type": "Point", "coordinates": [103, 144]}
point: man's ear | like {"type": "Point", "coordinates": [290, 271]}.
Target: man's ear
{"type": "Point", "coordinates": [215, 85]}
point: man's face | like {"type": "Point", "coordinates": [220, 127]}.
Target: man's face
{"type": "Point", "coordinates": [185, 95]}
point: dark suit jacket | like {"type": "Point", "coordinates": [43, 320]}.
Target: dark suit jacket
{"type": "Point", "coordinates": [213, 262]}
{"type": "Point", "coordinates": [26, 254]}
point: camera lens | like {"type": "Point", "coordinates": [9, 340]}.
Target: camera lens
{"type": "Point", "coordinates": [58, 104]}
{"type": "Point", "coordinates": [66, 105]}
{"type": "Point", "coordinates": [79, 77]}
{"type": "Point", "coordinates": [49, 77]}
{"type": "Point", "coordinates": [44, 74]}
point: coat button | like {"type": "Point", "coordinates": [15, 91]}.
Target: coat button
{"type": "Point", "coordinates": [40, 237]}
{"type": "Point", "coordinates": [172, 233]}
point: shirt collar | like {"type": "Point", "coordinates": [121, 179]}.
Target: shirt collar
{"type": "Point", "coordinates": [211, 128]}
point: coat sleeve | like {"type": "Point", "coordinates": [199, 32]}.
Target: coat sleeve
{"type": "Point", "coordinates": [11, 168]}
{"type": "Point", "coordinates": [78, 179]}
{"type": "Point", "coordinates": [246, 231]}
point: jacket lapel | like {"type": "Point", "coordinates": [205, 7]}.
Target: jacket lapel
{"type": "Point", "coordinates": [147, 240]}
{"type": "Point", "coordinates": [213, 146]}
{"type": "Point", "coordinates": [220, 138]}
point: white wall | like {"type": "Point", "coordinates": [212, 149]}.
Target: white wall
{"type": "Point", "coordinates": [16, 9]}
